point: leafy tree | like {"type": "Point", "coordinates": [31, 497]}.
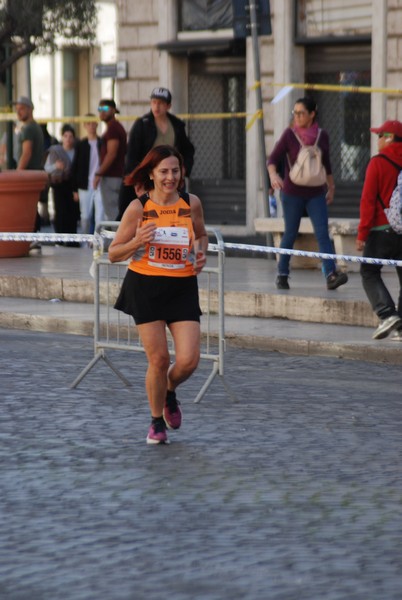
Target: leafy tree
{"type": "Point", "coordinates": [38, 25]}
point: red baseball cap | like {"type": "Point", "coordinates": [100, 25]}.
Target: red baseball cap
{"type": "Point", "coordinates": [394, 127]}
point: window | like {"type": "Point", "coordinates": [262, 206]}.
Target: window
{"type": "Point", "coordinates": [198, 15]}
{"type": "Point", "coordinates": [70, 83]}
{"type": "Point", "coordinates": [345, 115]}
{"type": "Point", "coordinates": [201, 15]}
{"type": "Point", "coordinates": [339, 20]}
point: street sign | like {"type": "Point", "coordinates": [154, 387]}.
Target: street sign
{"type": "Point", "coordinates": [102, 71]}
{"type": "Point", "coordinates": [117, 70]}
{"type": "Point", "coordinates": [121, 69]}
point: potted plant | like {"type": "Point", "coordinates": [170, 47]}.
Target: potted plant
{"type": "Point", "coordinates": [19, 197]}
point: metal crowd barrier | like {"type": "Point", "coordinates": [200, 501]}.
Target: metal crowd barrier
{"type": "Point", "coordinates": [115, 331]}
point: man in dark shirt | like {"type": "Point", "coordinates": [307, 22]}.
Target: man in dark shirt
{"type": "Point", "coordinates": [156, 127]}
{"type": "Point", "coordinates": [31, 146]}
{"type": "Point", "coordinates": [112, 154]}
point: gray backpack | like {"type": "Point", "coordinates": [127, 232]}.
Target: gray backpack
{"type": "Point", "coordinates": [393, 212]}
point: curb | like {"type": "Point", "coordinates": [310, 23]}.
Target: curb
{"type": "Point", "coordinates": [302, 347]}
{"type": "Point", "coordinates": [308, 309]}
{"type": "Point", "coordinates": [295, 346]}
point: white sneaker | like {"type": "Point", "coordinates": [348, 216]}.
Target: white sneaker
{"type": "Point", "coordinates": [396, 335]}
{"type": "Point", "coordinates": [386, 326]}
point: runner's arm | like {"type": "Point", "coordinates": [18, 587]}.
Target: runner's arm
{"type": "Point", "coordinates": [131, 234]}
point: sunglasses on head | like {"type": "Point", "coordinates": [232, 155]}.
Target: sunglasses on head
{"type": "Point", "coordinates": [103, 108]}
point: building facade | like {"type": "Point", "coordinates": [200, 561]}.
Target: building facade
{"type": "Point", "coordinates": [191, 49]}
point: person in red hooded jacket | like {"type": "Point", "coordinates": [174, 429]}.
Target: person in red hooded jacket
{"type": "Point", "coordinates": [375, 236]}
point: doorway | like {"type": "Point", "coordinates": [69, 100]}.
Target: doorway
{"type": "Point", "coordinates": [218, 85]}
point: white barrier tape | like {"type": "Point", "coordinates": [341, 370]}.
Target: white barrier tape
{"type": "Point", "coordinates": [97, 241]}
{"type": "Point", "coordinates": [46, 237]}
{"type": "Point", "coordinates": [107, 233]}
{"type": "Point", "coordinates": [320, 255]}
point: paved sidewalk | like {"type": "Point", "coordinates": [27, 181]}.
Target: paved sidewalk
{"type": "Point", "coordinates": [294, 492]}
{"type": "Point", "coordinates": [60, 272]}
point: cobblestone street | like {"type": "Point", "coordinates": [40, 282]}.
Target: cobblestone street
{"type": "Point", "coordinates": [294, 492]}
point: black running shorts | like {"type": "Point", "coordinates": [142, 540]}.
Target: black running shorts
{"type": "Point", "coordinates": [156, 298]}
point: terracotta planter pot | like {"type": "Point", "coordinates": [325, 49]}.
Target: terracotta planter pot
{"type": "Point", "coordinates": [19, 196]}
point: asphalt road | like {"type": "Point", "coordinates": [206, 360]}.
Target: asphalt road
{"type": "Point", "coordinates": [293, 492]}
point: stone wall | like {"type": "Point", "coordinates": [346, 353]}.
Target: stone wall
{"type": "Point", "coordinates": [138, 28]}
{"type": "Point", "coordinates": [393, 57]}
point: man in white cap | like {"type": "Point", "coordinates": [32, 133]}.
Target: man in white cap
{"type": "Point", "coordinates": [155, 128]}
{"type": "Point", "coordinates": [31, 145]}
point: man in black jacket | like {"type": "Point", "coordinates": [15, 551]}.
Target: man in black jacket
{"type": "Point", "coordinates": [85, 165]}
{"type": "Point", "coordinates": [154, 128]}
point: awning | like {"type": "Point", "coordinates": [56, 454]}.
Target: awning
{"type": "Point", "coordinates": [204, 46]}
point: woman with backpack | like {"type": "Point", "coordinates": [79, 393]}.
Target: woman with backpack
{"type": "Point", "coordinates": [376, 235]}
{"type": "Point", "coordinates": [58, 166]}
{"type": "Point", "coordinates": [307, 186]}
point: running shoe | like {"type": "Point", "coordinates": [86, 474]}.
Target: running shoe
{"type": "Point", "coordinates": [157, 433]}
{"type": "Point", "coordinates": [172, 412]}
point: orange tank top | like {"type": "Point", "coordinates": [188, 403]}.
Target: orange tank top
{"type": "Point", "coordinates": [171, 253]}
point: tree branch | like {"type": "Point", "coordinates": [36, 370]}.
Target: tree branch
{"type": "Point", "coordinates": [29, 25]}
{"type": "Point", "coordinates": [6, 31]}
{"type": "Point", "coordinates": [18, 53]}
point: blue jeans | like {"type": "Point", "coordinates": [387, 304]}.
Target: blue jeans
{"type": "Point", "coordinates": [90, 202]}
{"type": "Point", "coordinates": [381, 244]}
{"type": "Point", "coordinates": [293, 210]}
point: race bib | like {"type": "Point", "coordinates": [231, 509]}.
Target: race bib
{"type": "Point", "coordinates": [169, 249]}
